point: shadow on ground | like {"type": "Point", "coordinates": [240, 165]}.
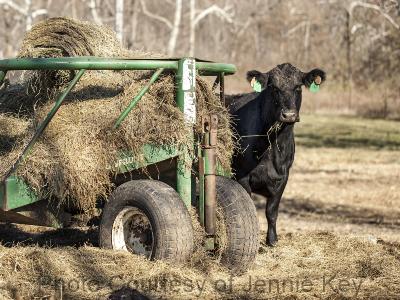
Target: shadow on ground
{"type": "Point", "coordinates": [315, 140]}
{"type": "Point", "coordinates": [347, 132]}
{"type": "Point", "coordinates": [11, 235]}
{"type": "Point", "coordinates": [336, 213]}
{"type": "Point", "coordinates": [127, 294]}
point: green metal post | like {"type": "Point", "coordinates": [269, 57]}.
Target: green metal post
{"type": "Point", "coordinates": [201, 188]}
{"type": "Point", "coordinates": [46, 121]}
{"type": "Point", "coordinates": [139, 96]}
{"type": "Point", "coordinates": [186, 101]}
{"type": "Point", "coordinates": [2, 76]}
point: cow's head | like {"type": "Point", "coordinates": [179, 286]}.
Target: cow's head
{"type": "Point", "coordinates": [283, 84]}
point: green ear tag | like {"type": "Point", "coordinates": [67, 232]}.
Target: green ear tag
{"type": "Point", "coordinates": [257, 86]}
{"type": "Point", "coordinates": [314, 87]}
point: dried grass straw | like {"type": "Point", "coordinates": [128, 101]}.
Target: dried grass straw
{"type": "Point", "coordinates": [92, 273]}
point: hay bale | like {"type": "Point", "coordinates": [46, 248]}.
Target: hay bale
{"type": "Point", "coordinates": [56, 37]}
{"type": "Point", "coordinates": [15, 100]}
{"type": "Point", "coordinates": [12, 132]}
{"type": "Point", "coordinates": [64, 37]}
{"type": "Point", "coordinates": [69, 162]}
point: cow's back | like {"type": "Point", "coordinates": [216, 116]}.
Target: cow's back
{"type": "Point", "coordinates": [235, 102]}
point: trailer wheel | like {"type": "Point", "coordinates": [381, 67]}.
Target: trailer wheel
{"type": "Point", "coordinates": [147, 217]}
{"type": "Point", "coordinates": [241, 225]}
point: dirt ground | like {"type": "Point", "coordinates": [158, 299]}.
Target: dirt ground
{"type": "Point", "coordinates": [339, 230]}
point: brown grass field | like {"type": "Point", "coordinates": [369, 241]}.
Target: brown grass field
{"type": "Point", "coordinates": [338, 227]}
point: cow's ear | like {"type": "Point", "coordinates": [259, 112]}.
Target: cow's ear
{"type": "Point", "coordinates": [257, 80]}
{"type": "Point", "coordinates": [314, 77]}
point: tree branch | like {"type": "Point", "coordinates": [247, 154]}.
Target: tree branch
{"type": "Point", "coordinates": [14, 6]}
{"type": "Point", "coordinates": [214, 9]}
{"type": "Point", "coordinates": [39, 12]}
{"type": "Point", "coordinates": [154, 16]}
{"type": "Point", "coordinates": [295, 28]}
{"type": "Point", "coordinates": [353, 5]}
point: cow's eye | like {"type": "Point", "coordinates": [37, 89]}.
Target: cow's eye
{"type": "Point", "coordinates": [298, 88]}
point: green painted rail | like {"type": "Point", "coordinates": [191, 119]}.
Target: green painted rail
{"type": "Point", "coordinates": [136, 99]}
{"type": "Point", "coordinates": [98, 63]}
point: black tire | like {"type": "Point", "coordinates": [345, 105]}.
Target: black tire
{"type": "Point", "coordinates": [241, 225]}
{"type": "Point", "coordinates": [171, 226]}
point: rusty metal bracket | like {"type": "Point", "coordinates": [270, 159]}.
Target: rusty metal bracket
{"type": "Point", "coordinates": [208, 168]}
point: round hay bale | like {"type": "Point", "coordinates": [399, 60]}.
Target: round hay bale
{"type": "Point", "coordinates": [64, 37]}
{"type": "Point", "coordinates": [57, 37]}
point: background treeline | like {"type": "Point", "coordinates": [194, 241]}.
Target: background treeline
{"type": "Point", "coordinates": [356, 42]}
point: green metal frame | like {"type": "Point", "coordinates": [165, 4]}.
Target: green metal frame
{"type": "Point", "coordinates": [15, 193]}
{"type": "Point", "coordinates": [152, 155]}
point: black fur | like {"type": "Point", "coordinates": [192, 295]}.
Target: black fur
{"type": "Point", "coordinates": [262, 163]}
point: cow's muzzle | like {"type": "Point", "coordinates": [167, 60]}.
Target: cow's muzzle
{"type": "Point", "coordinates": [289, 116]}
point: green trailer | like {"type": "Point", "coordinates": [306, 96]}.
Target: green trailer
{"type": "Point", "coordinates": [143, 216]}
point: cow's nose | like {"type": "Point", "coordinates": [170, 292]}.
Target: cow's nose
{"type": "Point", "coordinates": [288, 116]}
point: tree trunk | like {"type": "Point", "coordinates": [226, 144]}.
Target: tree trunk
{"type": "Point", "coordinates": [349, 58]}
{"type": "Point", "coordinates": [134, 22]}
{"type": "Point", "coordinates": [119, 19]}
{"type": "Point", "coordinates": [175, 28]}
{"type": "Point", "coordinates": [29, 18]}
{"type": "Point", "coordinates": [307, 44]}
{"type": "Point", "coordinates": [192, 40]}
{"type": "Point", "coordinates": [73, 9]}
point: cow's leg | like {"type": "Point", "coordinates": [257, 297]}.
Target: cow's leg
{"type": "Point", "coordinates": [271, 212]}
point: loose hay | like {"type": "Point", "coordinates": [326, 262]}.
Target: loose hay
{"type": "Point", "coordinates": [70, 162]}
{"type": "Point", "coordinates": [202, 259]}
{"type": "Point", "coordinates": [282, 272]}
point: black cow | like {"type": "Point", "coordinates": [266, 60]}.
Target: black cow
{"type": "Point", "coordinates": [265, 121]}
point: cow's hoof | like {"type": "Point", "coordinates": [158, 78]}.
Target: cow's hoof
{"type": "Point", "coordinates": [271, 242]}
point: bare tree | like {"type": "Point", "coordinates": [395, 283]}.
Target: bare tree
{"type": "Point", "coordinates": [174, 27]}
{"type": "Point", "coordinates": [352, 39]}
{"type": "Point", "coordinates": [196, 18]}
{"type": "Point", "coordinates": [398, 7]}
{"type": "Point", "coordinates": [352, 29]}
{"type": "Point", "coordinates": [25, 10]}
{"type": "Point", "coordinates": [119, 19]}
{"type": "Point", "coordinates": [93, 11]}
{"type": "Point", "coordinates": [377, 8]}
{"type": "Point", "coordinates": [134, 20]}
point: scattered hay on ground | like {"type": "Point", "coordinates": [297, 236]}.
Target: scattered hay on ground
{"type": "Point", "coordinates": [295, 269]}
{"type": "Point", "coordinates": [202, 259]}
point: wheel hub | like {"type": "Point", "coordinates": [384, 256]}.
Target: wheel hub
{"type": "Point", "coordinates": [132, 232]}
